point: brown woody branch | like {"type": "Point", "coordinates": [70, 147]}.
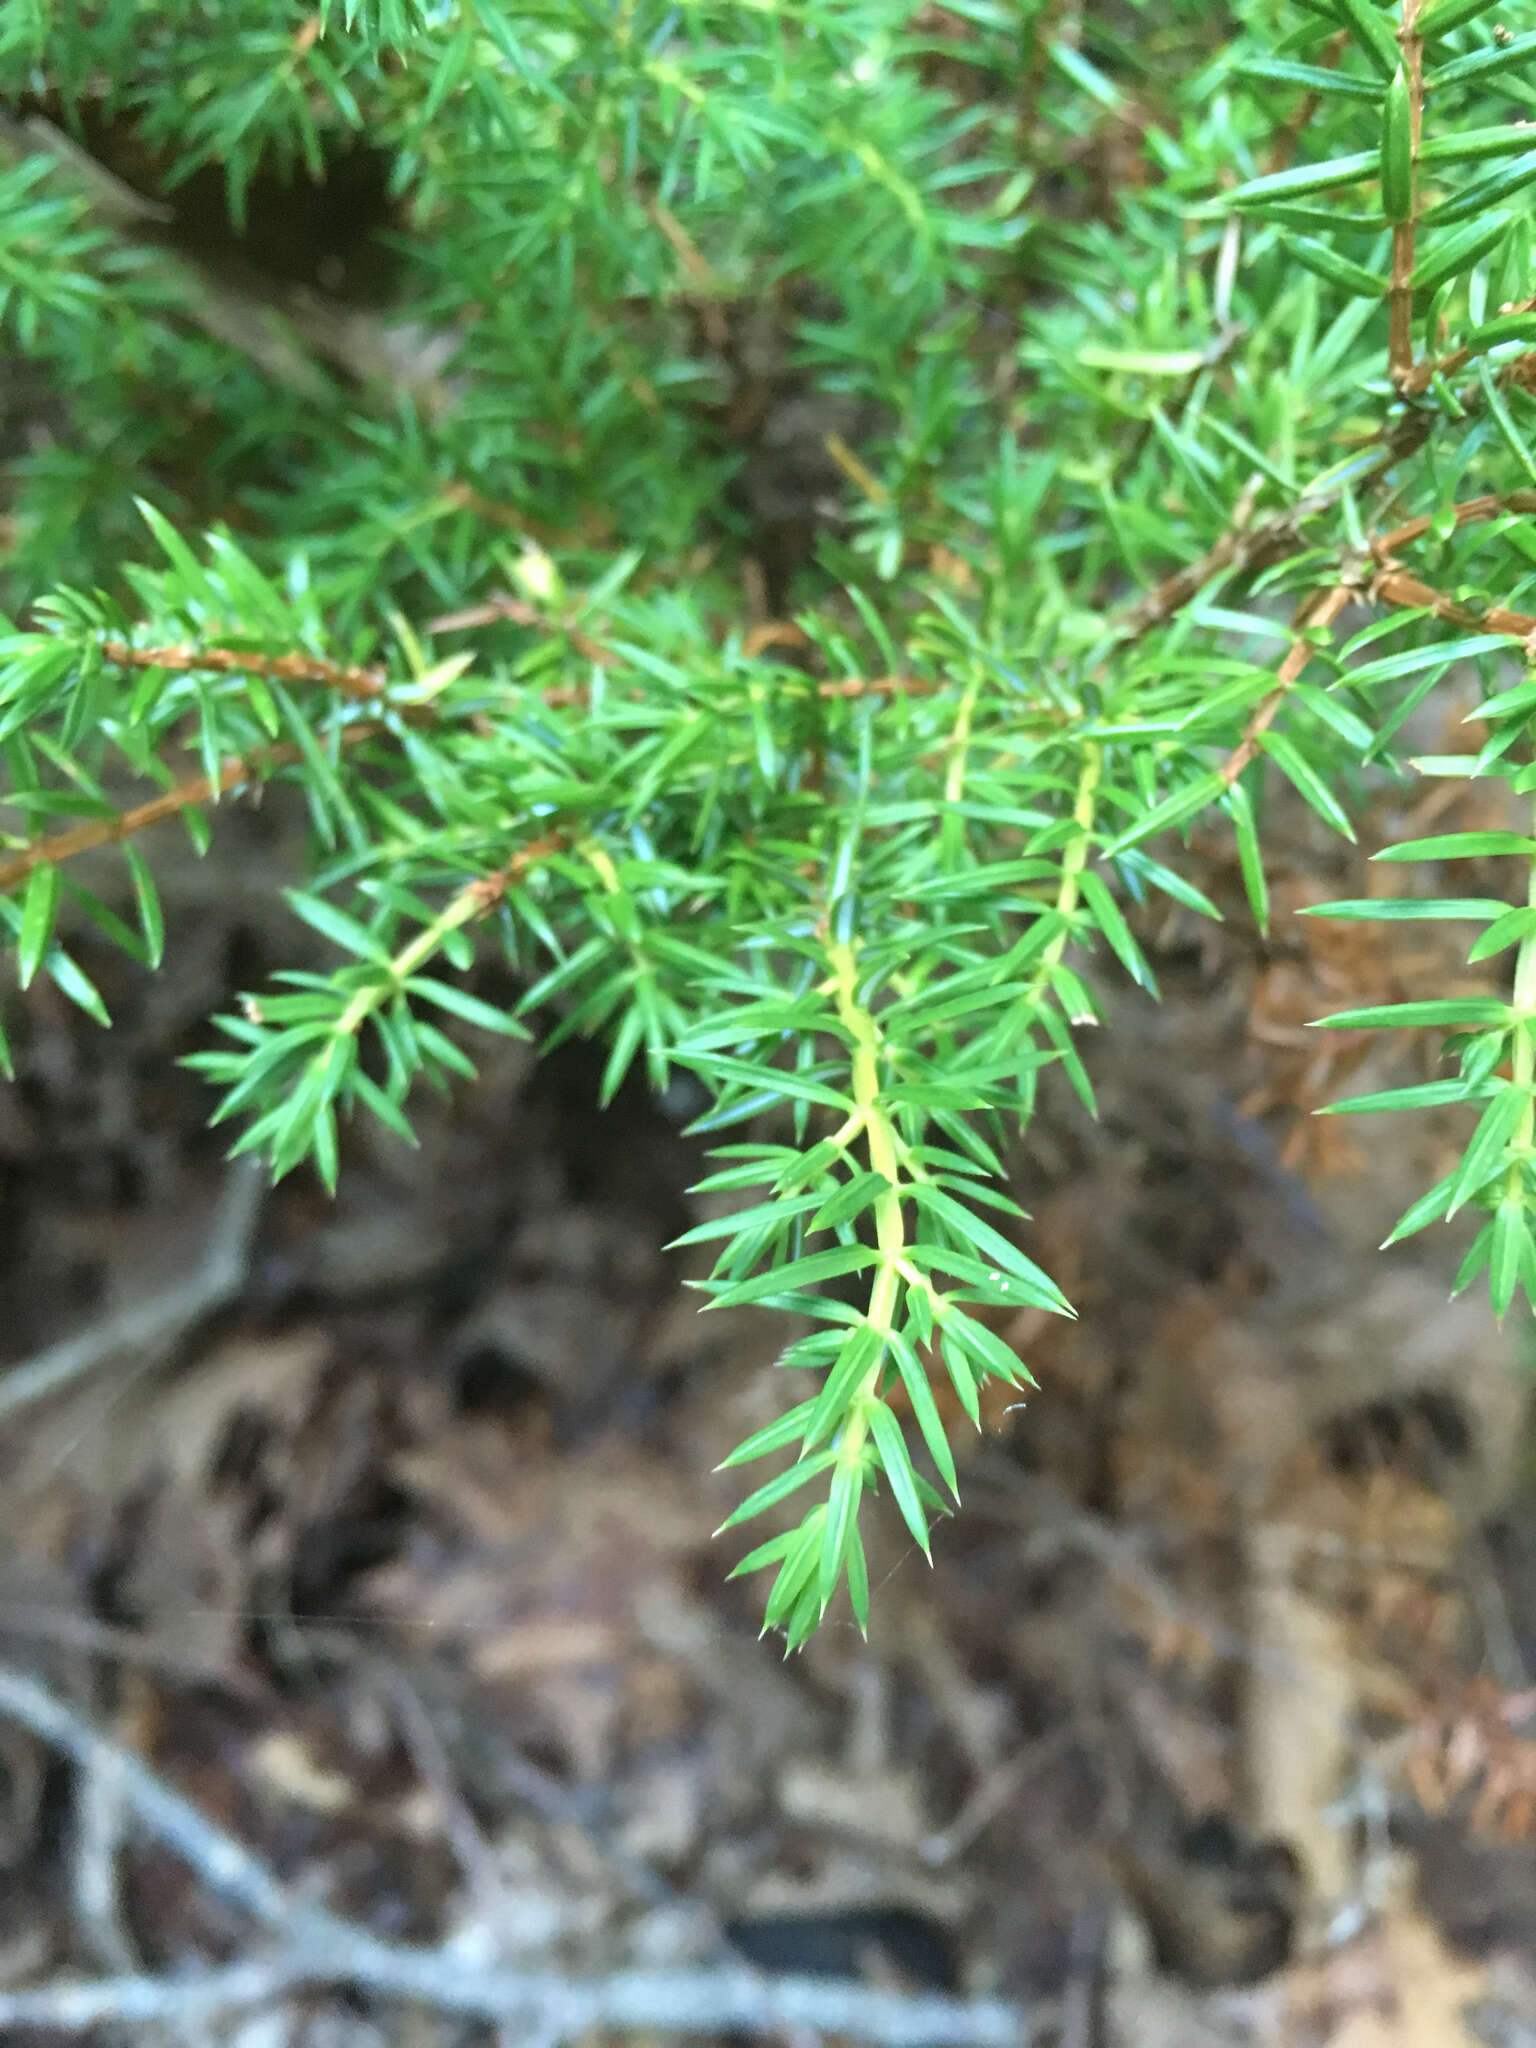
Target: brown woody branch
{"type": "Point", "coordinates": [1423, 374]}
{"type": "Point", "coordinates": [1391, 585]}
{"type": "Point", "coordinates": [1468, 513]}
{"type": "Point", "coordinates": [486, 892]}
{"type": "Point", "coordinates": [1400, 364]}
{"type": "Point", "coordinates": [519, 612]}
{"type": "Point", "coordinates": [1395, 586]}
{"type": "Point", "coordinates": [357, 683]}
{"type": "Point", "coordinates": [1316, 611]}
{"type": "Point", "coordinates": [1240, 547]}
{"type": "Point", "coordinates": [362, 683]}
{"type": "Point", "coordinates": [196, 789]}
{"type": "Point", "coordinates": [1246, 548]}
{"type": "Point", "coordinates": [350, 682]}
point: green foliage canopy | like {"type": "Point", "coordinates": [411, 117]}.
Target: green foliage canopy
{"type": "Point", "coordinates": [1173, 339]}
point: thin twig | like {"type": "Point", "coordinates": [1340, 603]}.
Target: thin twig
{"type": "Point", "coordinates": [196, 789]}
{"type": "Point", "coordinates": [99, 1816]}
{"type": "Point", "coordinates": [544, 2004]}
{"type": "Point", "coordinates": [997, 1790]}
{"type": "Point", "coordinates": [518, 612]}
{"type": "Point", "coordinates": [295, 338]}
{"type": "Point", "coordinates": [1316, 611]}
{"type": "Point", "coordinates": [67, 1630]}
{"type": "Point", "coordinates": [156, 1324]}
{"type": "Point", "coordinates": [418, 1731]}
{"type": "Point", "coordinates": [319, 1948]}
{"type": "Point", "coordinates": [1082, 2003]}
{"type": "Point", "coordinates": [366, 684]}
{"type": "Point", "coordinates": [1244, 548]}
{"type": "Point", "coordinates": [1400, 364]}
{"type": "Point", "coordinates": [1468, 513]}
{"type": "Point", "coordinates": [1423, 374]}
{"type": "Point", "coordinates": [224, 1865]}
{"type": "Point", "coordinates": [1394, 586]}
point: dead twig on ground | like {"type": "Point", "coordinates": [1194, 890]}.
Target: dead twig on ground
{"type": "Point", "coordinates": [154, 1325]}
{"type": "Point", "coordinates": [550, 2006]}
{"type": "Point", "coordinates": [317, 1948]}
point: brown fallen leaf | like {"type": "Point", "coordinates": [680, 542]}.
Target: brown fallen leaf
{"type": "Point", "coordinates": [1397, 1986]}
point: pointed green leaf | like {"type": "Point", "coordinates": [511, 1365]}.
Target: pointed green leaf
{"type": "Point", "coordinates": [72, 981]}
{"type": "Point", "coordinates": [1429, 1208]}
{"type": "Point", "coordinates": [1403, 909]}
{"type": "Point", "coordinates": [798, 1275]}
{"type": "Point", "coordinates": [770, 1494]}
{"type": "Point", "coordinates": [384, 1107]}
{"type": "Point", "coordinates": [1424, 1095]}
{"type": "Point", "coordinates": [775, 1080]}
{"type": "Point", "coordinates": [1502, 704]}
{"type": "Point", "coordinates": [1174, 810]}
{"type": "Point", "coordinates": [39, 909]}
{"type": "Point", "coordinates": [1481, 63]}
{"type": "Point", "coordinates": [958, 1365]}
{"type": "Point", "coordinates": [1510, 1252]}
{"type": "Point", "coordinates": [1429, 654]}
{"type": "Point", "coordinates": [850, 1200]}
{"type": "Point", "coordinates": [991, 1354]}
{"type": "Point", "coordinates": [1443, 17]}
{"type": "Point", "coordinates": [105, 919]}
{"type": "Point", "coordinates": [1292, 183]}
{"type": "Point", "coordinates": [1372, 32]}
{"type": "Point", "coordinates": [858, 1581]}
{"type": "Point", "coordinates": [1507, 930]}
{"type": "Point", "coordinates": [338, 927]}
{"type": "Point", "coordinates": [1503, 418]}
{"type": "Point", "coordinates": [1477, 1257]}
{"type": "Point", "coordinates": [460, 1003]}
{"type": "Point", "coordinates": [1110, 919]}
{"type": "Point", "coordinates": [1448, 1012]}
{"type": "Point", "coordinates": [1458, 248]}
{"type": "Point", "coordinates": [774, 1551]}
{"type": "Point", "coordinates": [1324, 261]}
{"type": "Point", "coordinates": [783, 1209]}
{"type": "Point", "coordinates": [151, 918]}
{"type": "Point", "coordinates": [796, 1573]}
{"type": "Point", "coordinates": [1479, 198]}
{"type": "Point", "coordinates": [1304, 778]}
{"type": "Point", "coordinates": [1036, 1287]}
{"type": "Point", "coordinates": [194, 579]}
{"type": "Point", "coordinates": [842, 1515]}
{"type": "Point", "coordinates": [897, 1464]}
{"type": "Point", "coordinates": [926, 1411]}
{"type": "Point", "coordinates": [773, 1436]}
{"type": "Point", "coordinates": [1250, 856]}
{"type": "Point", "coordinates": [1485, 1155]}
{"type": "Point", "coordinates": [1397, 149]}
{"type": "Point", "coordinates": [1312, 78]}
{"type": "Point", "coordinates": [857, 1361]}
{"type": "Point", "coordinates": [1455, 145]}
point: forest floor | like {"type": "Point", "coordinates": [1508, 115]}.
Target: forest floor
{"type": "Point", "coordinates": [391, 1549]}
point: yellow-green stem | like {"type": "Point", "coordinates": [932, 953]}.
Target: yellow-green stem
{"type": "Point", "coordinates": [882, 1142]}
{"type": "Point", "coordinates": [1523, 1055]}
{"type": "Point", "coordinates": [468, 904]}
{"type": "Point", "coordinates": [959, 744]}
{"type": "Point", "coordinates": [1073, 862]}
